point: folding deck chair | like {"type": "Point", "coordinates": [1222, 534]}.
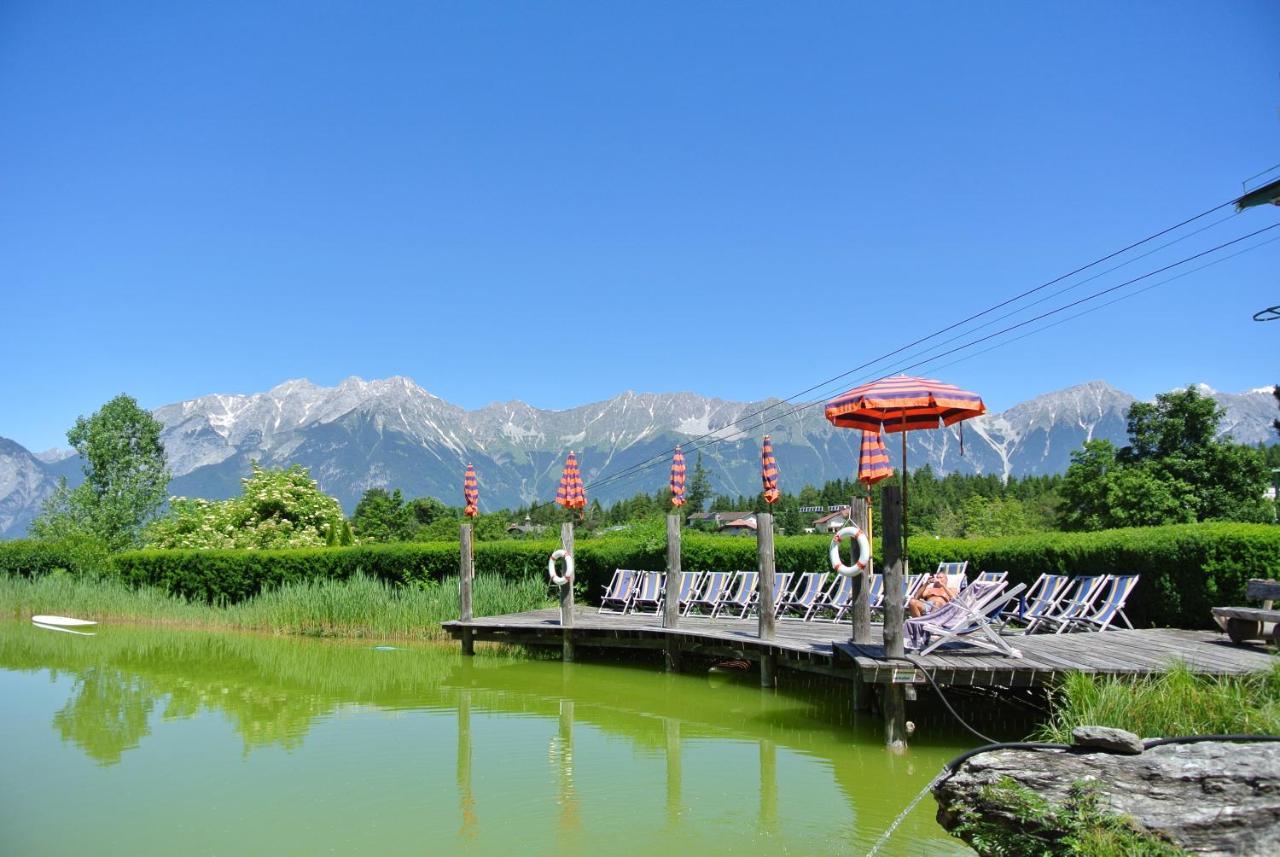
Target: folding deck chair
{"type": "Point", "coordinates": [804, 600]}
{"type": "Point", "coordinates": [1111, 607]}
{"type": "Point", "coordinates": [648, 597]}
{"type": "Point", "coordinates": [992, 577]}
{"type": "Point", "coordinates": [971, 618]}
{"type": "Point", "coordinates": [744, 593]}
{"type": "Point", "coordinates": [838, 599]}
{"type": "Point", "coordinates": [781, 587]}
{"type": "Point", "coordinates": [1039, 601]}
{"type": "Point", "coordinates": [1078, 601]}
{"type": "Point", "coordinates": [689, 581]}
{"type": "Point", "coordinates": [618, 594]}
{"type": "Point", "coordinates": [714, 586]}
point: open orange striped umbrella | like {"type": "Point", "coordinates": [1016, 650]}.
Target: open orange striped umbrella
{"type": "Point", "coordinates": [471, 492]}
{"type": "Point", "coordinates": [571, 494]}
{"type": "Point", "coordinates": [677, 479]}
{"type": "Point", "coordinates": [873, 460]}
{"type": "Point", "coordinates": [769, 472]}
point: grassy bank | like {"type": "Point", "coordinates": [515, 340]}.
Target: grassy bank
{"type": "Point", "coordinates": [356, 607]}
{"type": "Point", "coordinates": [1173, 703]}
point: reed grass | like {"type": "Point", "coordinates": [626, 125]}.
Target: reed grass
{"type": "Point", "coordinates": [357, 607]}
{"type": "Point", "coordinates": [1173, 703]}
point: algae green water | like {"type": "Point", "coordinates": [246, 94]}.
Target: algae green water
{"type": "Point", "coordinates": [141, 742]}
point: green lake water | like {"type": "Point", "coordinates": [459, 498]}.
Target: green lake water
{"type": "Point", "coordinates": [149, 742]}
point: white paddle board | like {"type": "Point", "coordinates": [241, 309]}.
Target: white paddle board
{"type": "Point", "coordinates": [63, 621]}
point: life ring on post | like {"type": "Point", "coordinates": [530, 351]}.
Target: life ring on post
{"type": "Point", "coordinates": [864, 552]}
{"type": "Point", "coordinates": [568, 567]}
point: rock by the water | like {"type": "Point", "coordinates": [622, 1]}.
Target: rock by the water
{"type": "Point", "coordinates": [1107, 738]}
{"type": "Point", "coordinates": [1211, 798]}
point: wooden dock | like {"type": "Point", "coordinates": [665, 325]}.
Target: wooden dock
{"type": "Point", "coordinates": [823, 647]}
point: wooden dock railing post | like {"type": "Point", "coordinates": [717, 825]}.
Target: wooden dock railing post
{"type": "Point", "coordinates": [894, 704]}
{"type": "Point", "coordinates": [466, 571]}
{"type": "Point", "coordinates": [671, 591]}
{"type": "Point", "coordinates": [765, 599]}
{"type": "Point", "coordinates": [860, 516]}
{"type": "Point", "coordinates": [566, 593]}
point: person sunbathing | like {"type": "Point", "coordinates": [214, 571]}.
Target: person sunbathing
{"type": "Point", "coordinates": [931, 596]}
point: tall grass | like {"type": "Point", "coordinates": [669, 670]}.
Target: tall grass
{"type": "Point", "coordinates": [358, 607]}
{"type": "Point", "coordinates": [1175, 702]}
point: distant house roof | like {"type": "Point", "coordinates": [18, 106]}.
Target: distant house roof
{"type": "Point", "coordinates": [721, 517]}
{"type": "Point", "coordinates": [843, 512]}
{"type": "Point", "coordinates": [740, 524]}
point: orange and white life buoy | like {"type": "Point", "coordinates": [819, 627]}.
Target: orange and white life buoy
{"type": "Point", "coordinates": [864, 552]}
{"type": "Point", "coordinates": [561, 554]}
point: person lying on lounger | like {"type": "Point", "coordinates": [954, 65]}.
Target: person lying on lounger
{"type": "Point", "coordinates": [931, 596]}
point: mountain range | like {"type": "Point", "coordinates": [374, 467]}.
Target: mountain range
{"type": "Point", "coordinates": [392, 433]}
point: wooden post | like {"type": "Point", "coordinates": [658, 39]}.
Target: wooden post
{"type": "Point", "coordinates": [894, 702]}
{"type": "Point", "coordinates": [764, 593]}
{"type": "Point", "coordinates": [671, 593]}
{"type": "Point", "coordinates": [466, 572]}
{"type": "Point", "coordinates": [768, 785]}
{"type": "Point", "coordinates": [860, 516]}
{"type": "Point", "coordinates": [465, 794]}
{"type": "Point", "coordinates": [674, 776]}
{"type": "Point", "coordinates": [566, 593]}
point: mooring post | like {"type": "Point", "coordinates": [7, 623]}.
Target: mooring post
{"type": "Point", "coordinates": [566, 593]}
{"type": "Point", "coordinates": [765, 599]}
{"type": "Point", "coordinates": [671, 591]}
{"type": "Point", "coordinates": [466, 570]}
{"type": "Point", "coordinates": [894, 703]}
{"type": "Point", "coordinates": [860, 517]}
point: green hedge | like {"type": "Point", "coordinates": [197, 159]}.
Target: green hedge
{"type": "Point", "coordinates": [1186, 569]}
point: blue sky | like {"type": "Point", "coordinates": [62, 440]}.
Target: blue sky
{"type": "Point", "coordinates": [558, 202]}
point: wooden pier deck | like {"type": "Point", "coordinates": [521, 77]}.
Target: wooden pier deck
{"type": "Point", "coordinates": [823, 647]}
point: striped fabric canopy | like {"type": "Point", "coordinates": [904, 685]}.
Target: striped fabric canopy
{"type": "Point", "coordinates": [873, 460]}
{"type": "Point", "coordinates": [677, 479]}
{"type": "Point", "coordinates": [769, 472]}
{"type": "Point", "coordinates": [571, 494]}
{"type": "Point", "coordinates": [903, 403]}
{"type": "Point", "coordinates": [471, 492]}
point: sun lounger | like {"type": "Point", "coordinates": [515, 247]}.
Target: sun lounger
{"type": "Point", "coordinates": [1111, 605]}
{"type": "Point", "coordinates": [648, 598]}
{"type": "Point", "coordinates": [742, 596]}
{"type": "Point", "coordinates": [618, 594]}
{"type": "Point", "coordinates": [1039, 601]}
{"type": "Point", "coordinates": [971, 618]}
{"type": "Point", "coordinates": [837, 600]}
{"type": "Point", "coordinates": [781, 591]}
{"type": "Point", "coordinates": [715, 586]}
{"type": "Point", "coordinates": [689, 581]}
{"type": "Point", "coordinates": [992, 577]}
{"type": "Point", "coordinates": [804, 600]}
{"type": "Point", "coordinates": [1077, 602]}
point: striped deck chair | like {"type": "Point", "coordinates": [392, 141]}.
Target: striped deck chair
{"type": "Point", "coordinates": [992, 577]}
{"type": "Point", "coordinates": [969, 618]}
{"type": "Point", "coordinates": [743, 594]}
{"type": "Point", "coordinates": [1038, 601]}
{"type": "Point", "coordinates": [715, 586]}
{"type": "Point", "coordinates": [805, 599]}
{"type": "Point", "coordinates": [1078, 601]}
{"type": "Point", "coordinates": [618, 594]}
{"type": "Point", "coordinates": [781, 591]}
{"type": "Point", "coordinates": [689, 581]}
{"type": "Point", "coordinates": [1111, 606]}
{"type": "Point", "coordinates": [648, 597]}
{"type": "Point", "coordinates": [837, 599]}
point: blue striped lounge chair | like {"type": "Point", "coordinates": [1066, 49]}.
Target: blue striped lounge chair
{"type": "Point", "coordinates": [648, 598]}
{"type": "Point", "coordinates": [836, 600]}
{"type": "Point", "coordinates": [971, 618]}
{"type": "Point", "coordinates": [1078, 601]}
{"type": "Point", "coordinates": [742, 595]}
{"type": "Point", "coordinates": [806, 597]}
{"type": "Point", "coordinates": [715, 586]}
{"type": "Point", "coordinates": [621, 589]}
{"type": "Point", "coordinates": [1111, 606]}
{"type": "Point", "coordinates": [1040, 600]}
{"type": "Point", "coordinates": [781, 590]}
{"type": "Point", "coordinates": [992, 577]}
{"type": "Point", "coordinates": [689, 581]}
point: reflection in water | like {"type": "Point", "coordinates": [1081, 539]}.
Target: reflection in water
{"type": "Point", "coordinates": [692, 753]}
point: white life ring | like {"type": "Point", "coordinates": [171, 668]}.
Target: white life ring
{"type": "Point", "coordinates": [864, 552]}
{"type": "Point", "coordinates": [568, 567]}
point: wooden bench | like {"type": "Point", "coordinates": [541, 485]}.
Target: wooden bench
{"type": "Point", "coordinates": [1250, 623]}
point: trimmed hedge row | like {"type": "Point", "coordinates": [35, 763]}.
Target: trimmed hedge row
{"type": "Point", "coordinates": [1186, 569]}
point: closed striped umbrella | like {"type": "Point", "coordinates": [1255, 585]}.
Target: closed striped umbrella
{"type": "Point", "coordinates": [677, 478]}
{"type": "Point", "coordinates": [873, 460]}
{"type": "Point", "coordinates": [571, 494]}
{"type": "Point", "coordinates": [769, 472]}
{"type": "Point", "coordinates": [471, 492]}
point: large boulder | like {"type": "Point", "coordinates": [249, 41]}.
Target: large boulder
{"type": "Point", "coordinates": [1206, 798]}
